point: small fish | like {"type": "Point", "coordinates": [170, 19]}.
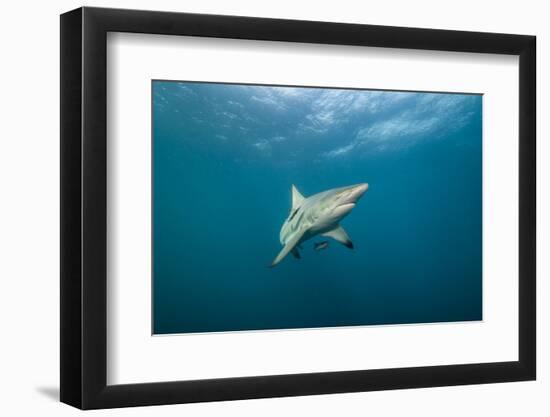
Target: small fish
{"type": "Point", "coordinates": [321, 245]}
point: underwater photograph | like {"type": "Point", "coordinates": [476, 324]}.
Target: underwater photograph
{"type": "Point", "coordinates": [290, 207]}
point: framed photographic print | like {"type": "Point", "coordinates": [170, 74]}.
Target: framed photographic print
{"type": "Point", "coordinates": [258, 207]}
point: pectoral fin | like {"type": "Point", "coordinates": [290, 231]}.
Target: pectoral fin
{"type": "Point", "coordinates": [340, 235]}
{"type": "Point", "coordinates": [290, 245]}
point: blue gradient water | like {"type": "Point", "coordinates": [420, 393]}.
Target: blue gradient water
{"type": "Point", "coordinates": [225, 157]}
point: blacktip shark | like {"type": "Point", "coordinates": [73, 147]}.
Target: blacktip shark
{"type": "Point", "coordinates": [319, 214]}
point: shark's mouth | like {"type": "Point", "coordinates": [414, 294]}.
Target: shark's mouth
{"type": "Point", "coordinates": [343, 209]}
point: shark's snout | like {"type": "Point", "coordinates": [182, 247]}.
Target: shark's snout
{"type": "Point", "coordinates": [361, 189]}
{"type": "Point", "coordinates": [351, 194]}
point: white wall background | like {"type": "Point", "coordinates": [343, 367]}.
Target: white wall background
{"type": "Point", "coordinates": [29, 237]}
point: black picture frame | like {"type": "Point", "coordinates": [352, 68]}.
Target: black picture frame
{"type": "Point", "coordinates": [84, 207]}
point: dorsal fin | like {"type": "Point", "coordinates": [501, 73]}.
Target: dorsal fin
{"type": "Point", "coordinates": [297, 198]}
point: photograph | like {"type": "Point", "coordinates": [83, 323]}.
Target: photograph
{"type": "Point", "coordinates": [305, 207]}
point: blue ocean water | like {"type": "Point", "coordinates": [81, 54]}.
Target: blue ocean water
{"type": "Point", "coordinates": [224, 159]}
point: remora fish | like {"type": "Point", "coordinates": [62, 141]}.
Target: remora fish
{"type": "Point", "coordinates": [320, 245]}
{"type": "Point", "coordinates": [319, 214]}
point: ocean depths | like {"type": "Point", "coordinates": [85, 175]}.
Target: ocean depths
{"type": "Point", "coordinates": [224, 159]}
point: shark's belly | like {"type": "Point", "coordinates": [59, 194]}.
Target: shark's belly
{"type": "Point", "coordinates": [321, 227]}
